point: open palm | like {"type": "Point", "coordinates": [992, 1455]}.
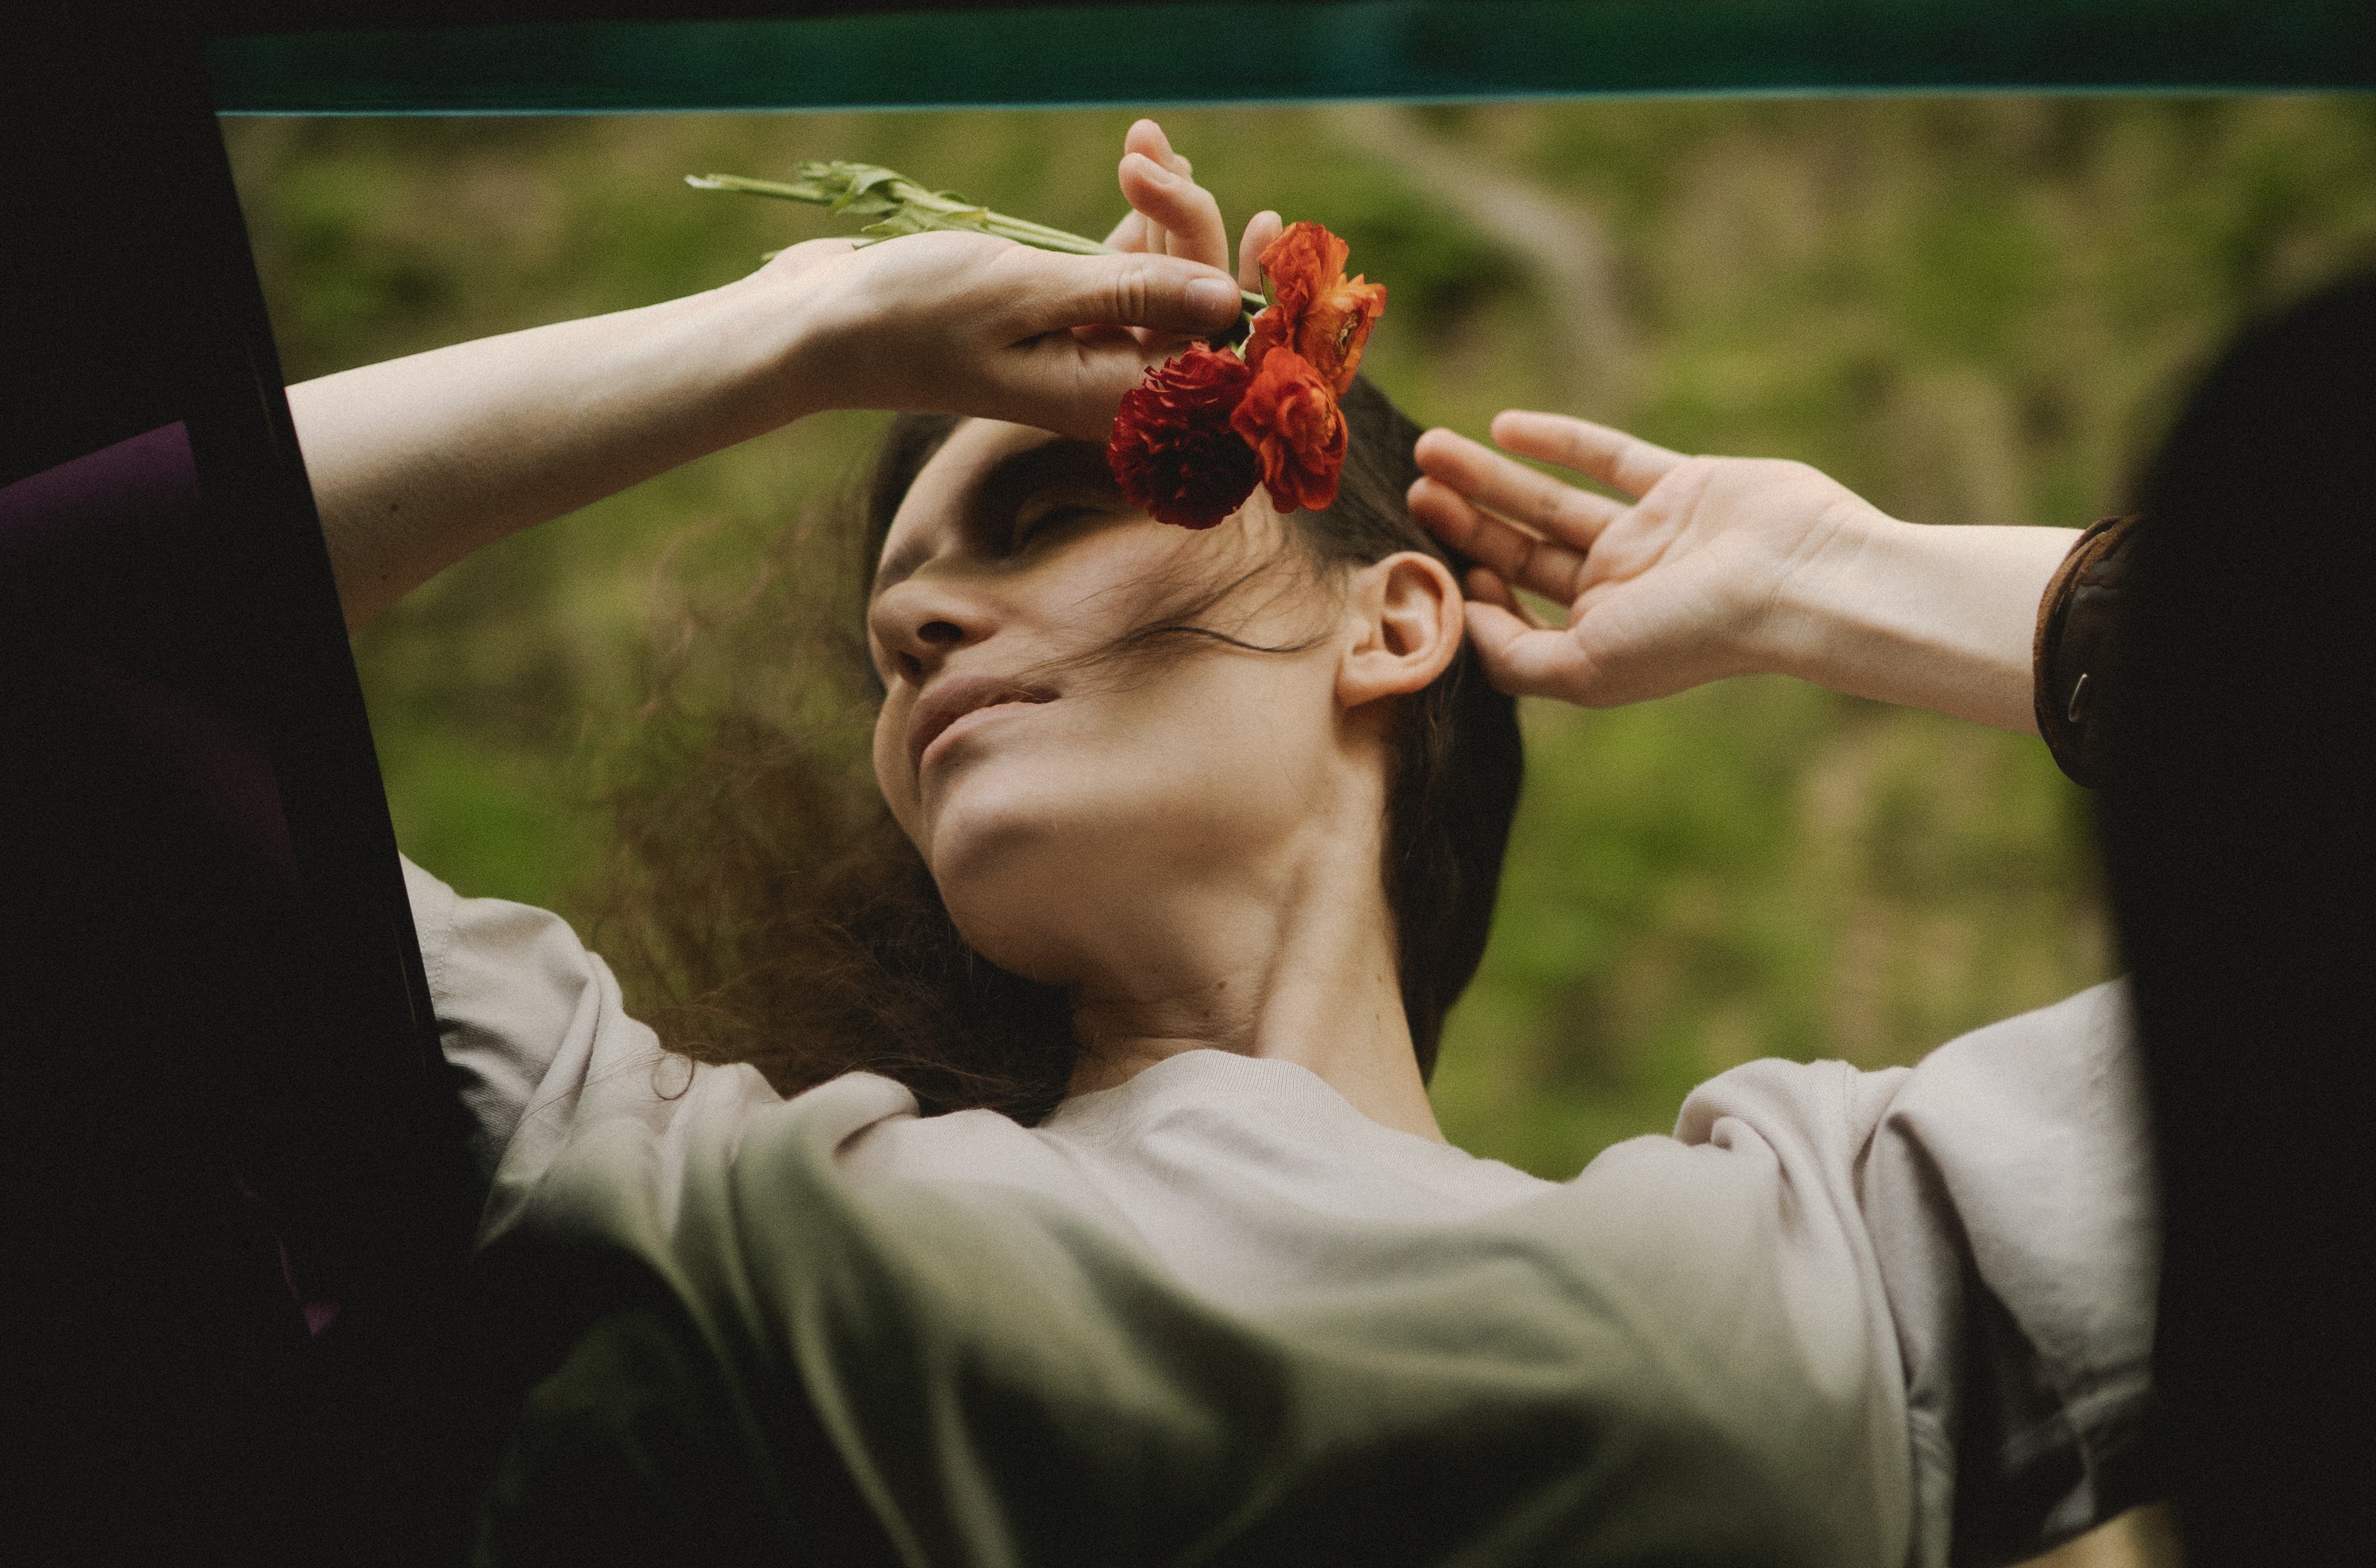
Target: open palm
{"type": "Point", "coordinates": [1681, 586]}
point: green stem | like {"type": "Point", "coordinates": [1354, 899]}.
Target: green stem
{"type": "Point", "coordinates": [900, 206]}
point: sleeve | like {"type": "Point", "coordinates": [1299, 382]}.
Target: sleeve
{"type": "Point", "coordinates": [2011, 1196]}
{"type": "Point", "coordinates": [2005, 1186]}
{"type": "Point", "coordinates": [525, 1012]}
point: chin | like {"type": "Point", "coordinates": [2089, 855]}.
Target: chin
{"type": "Point", "coordinates": [1017, 872]}
{"type": "Point", "coordinates": [1022, 924]}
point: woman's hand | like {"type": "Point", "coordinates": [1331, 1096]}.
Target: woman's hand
{"type": "Point", "coordinates": [1725, 566]}
{"type": "Point", "coordinates": [1173, 215]}
{"type": "Point", "coordinates": [1681, 587]}
{"type": "Point", "coordinates": [965, 324]}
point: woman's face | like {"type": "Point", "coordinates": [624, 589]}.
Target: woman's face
{"type": "Point", "coordinates": [1070, 808]}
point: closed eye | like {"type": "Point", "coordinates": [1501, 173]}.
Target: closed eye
{"type": "Point", "coordinates": [1044, 518]}
{"type": "Point", "coordinates": [1051, 488]}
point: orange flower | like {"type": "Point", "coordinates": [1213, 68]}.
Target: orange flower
{"type": "Point", "coordinates": [1314, 309]}
{"type": "Point", "coordinates": [1290, 417]}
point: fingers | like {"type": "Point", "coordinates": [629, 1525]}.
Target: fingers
{"type": "Point", "coordinates": [1147, 139]}
{"type": "Point", "coordinates": [1165, 294]}
{"type": "Point", "coordinates": [1130, 234]}
{"type": "Point", "coordinates": [1261, 230]}
{"type": "Point", "coordinates": [1563, 512]}
{"type": "Point", "coordinates": [1138, 233]}
{"type": "Point", "coordinates": [1135, 233]}
{"type": "Point", "coordinates": [1607, 455]}
{"type": "Point", "coordinates": [1534, 499]}
{"type": "Point", "coordinates": [1486, 588]}
{"type": "Point", "coordinates": [1526, 660]}
{"type": "Point", "coordinates": [1535, 564]}
{"type": "Point", "coordinates": [1182, 217]}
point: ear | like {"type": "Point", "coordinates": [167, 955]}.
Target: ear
{"type": "Point", "coordinates": [1409, 624]}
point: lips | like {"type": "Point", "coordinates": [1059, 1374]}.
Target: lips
{"type": "Point", "coordinates": [952, 697]}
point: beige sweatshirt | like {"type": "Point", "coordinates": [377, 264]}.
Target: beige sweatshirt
{"type": "Point", "coordinates": [1217, 1314]}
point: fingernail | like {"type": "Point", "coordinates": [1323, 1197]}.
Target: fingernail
{"type": "Point", "coordinates": [1211, 296]}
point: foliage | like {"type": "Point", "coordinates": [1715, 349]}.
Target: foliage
{"type": "Point", "coordinates": [1971, 310]}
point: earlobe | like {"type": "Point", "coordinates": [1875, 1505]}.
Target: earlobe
{"type": "Point", "coordinates": [1412, 626]}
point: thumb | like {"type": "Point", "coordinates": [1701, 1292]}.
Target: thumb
{"type": "Point", "coordinates": [1168, 294]}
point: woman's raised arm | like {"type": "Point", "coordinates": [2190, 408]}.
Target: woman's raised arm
{"type": "Point", "coordinates": [417, 462]}
{"type": "Point", "coordinates": [1726, 566]}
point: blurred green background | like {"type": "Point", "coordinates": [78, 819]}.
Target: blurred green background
{"type": "Point", "coordinates": [1971, 310]}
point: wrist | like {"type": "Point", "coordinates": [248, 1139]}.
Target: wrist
{"type": "Point", "coordinates": [1933, 616]}
{"type": "Point", "coordinates": [1816, 624]}
{"type": "Point", "coordinates": [774, 338]}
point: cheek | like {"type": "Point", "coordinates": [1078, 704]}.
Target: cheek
{"type": "Point", "coordinates": [1193, 762]}
{"type": "Point", "coordinates": [891, 775]}
{"type": "Point", "coordinates": [1243, 745]}
{"type": "Point", "coordinates": [1191, 781]}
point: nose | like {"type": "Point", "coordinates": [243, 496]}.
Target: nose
{"type": "Point", "coordinates": [920, 622]}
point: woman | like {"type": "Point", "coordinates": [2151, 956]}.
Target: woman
{"type": "Point", "coordinates": [1223, 815]}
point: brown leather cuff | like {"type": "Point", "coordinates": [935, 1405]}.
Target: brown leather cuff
{"type": "Point", "coordinates": [2076, 669]}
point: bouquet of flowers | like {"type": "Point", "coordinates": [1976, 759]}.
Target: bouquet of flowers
{"type": "Point", "coordinates": [1205, 427]}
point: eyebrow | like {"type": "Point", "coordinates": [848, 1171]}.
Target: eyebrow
{"type": "Point", "coordinates": [1002, 487]}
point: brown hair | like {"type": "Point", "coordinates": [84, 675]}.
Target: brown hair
{"type": "Point", "coordinates": [762, 907]}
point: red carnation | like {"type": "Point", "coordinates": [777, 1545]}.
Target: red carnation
{"type": "Point", "coordinates": [1289, 416]}
{"type": "Point", "coordinates": [1173, 451]}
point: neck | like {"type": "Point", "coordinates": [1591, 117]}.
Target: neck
{"type": "Point", "coordinates": [1303, 974]}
